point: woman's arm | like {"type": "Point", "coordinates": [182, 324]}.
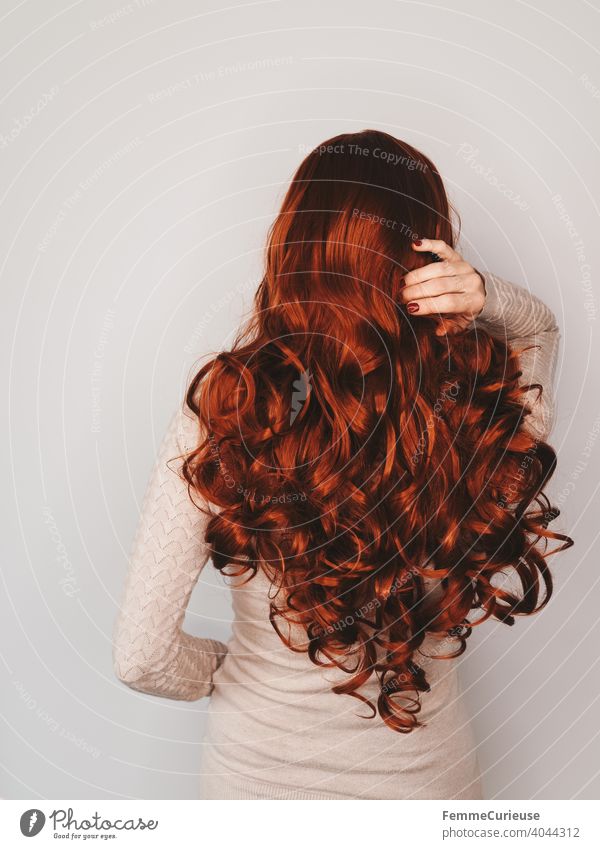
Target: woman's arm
{"type": "Point", "coordinates": [521, 319]}
{"type": "Point", "coordinates": [151, 652]}
{"type": "Point", "coordinates": [462, 297]}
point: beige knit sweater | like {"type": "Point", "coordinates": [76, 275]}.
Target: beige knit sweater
{"type": "Point", "coordinates": [275, 729]}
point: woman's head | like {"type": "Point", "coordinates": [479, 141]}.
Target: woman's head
{"type": "Point", "coordinates": [343, 235]}
{"type": "Point", "coordinates": [351, 452]}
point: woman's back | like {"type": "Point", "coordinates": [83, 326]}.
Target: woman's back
{"type": "Point", "coordinates": [276, 729]}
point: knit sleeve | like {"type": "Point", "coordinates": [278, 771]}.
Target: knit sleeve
{"type": "Point", "coordinates": [523, 320]}
{"type": "Point", "coordinates": [151, 652]}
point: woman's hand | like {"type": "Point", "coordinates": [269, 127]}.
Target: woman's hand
{"type": "Point", "coordinates": [451, 289]}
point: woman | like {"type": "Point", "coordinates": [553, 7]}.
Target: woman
{"type": "Point", "coordinates": [365, 465]}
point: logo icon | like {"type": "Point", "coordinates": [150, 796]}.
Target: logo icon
{"type": "Point", "coordinates": [300, 394]}
{"type": "Point", "coordinates": [32, 822]}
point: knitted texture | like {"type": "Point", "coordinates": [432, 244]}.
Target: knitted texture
{"type": "Point", "coordinates": [523, 320]}
{"type": "Point", "coordinates": [151, 652]}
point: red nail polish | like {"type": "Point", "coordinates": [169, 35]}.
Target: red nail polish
{"type": "Point", "coordinates": [413, 307]}
{"type": "Point", "coordinates": [417, 242]}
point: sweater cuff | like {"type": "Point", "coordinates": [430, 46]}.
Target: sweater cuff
{"type": "Point", "coordinates": [492, 315]}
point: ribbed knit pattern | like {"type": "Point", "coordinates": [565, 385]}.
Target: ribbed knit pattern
{"type": "Point", "coordinates": [523, 320]}
{"type": "Point", "coordinates": [275, 728]}
{"type": "Point", "coordinates": [151, 652]}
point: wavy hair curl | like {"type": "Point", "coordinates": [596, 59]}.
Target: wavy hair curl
{"type": "Point", "coordinates": [353, 455]}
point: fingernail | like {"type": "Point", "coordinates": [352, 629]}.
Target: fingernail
{"type": "Point", "coordinates": [417, 242]}
{"type": "Point", "coordinates": [413, 307]}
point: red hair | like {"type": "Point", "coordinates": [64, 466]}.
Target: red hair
{"type": "Point", "coordinates": [352, 453]}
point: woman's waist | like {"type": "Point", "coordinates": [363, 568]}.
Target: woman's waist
{"type": "Point", "coordinates": [266, 730]}
{"type": "Point", "coordinates": [268, 677]}
{"type": "Point", "coordinates": [257, 654]}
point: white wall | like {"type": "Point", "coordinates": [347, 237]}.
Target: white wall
{"type": "Point", "coordinates": [143, 157]}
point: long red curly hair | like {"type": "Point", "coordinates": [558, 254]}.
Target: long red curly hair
{"type": "Point", "coordinates": [352, 453]}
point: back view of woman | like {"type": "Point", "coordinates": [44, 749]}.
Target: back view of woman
{"type": "Point", "coordinates": [366, 466]}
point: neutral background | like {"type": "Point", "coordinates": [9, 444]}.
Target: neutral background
{"type": "Point", "coordinates": [145, 148]}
